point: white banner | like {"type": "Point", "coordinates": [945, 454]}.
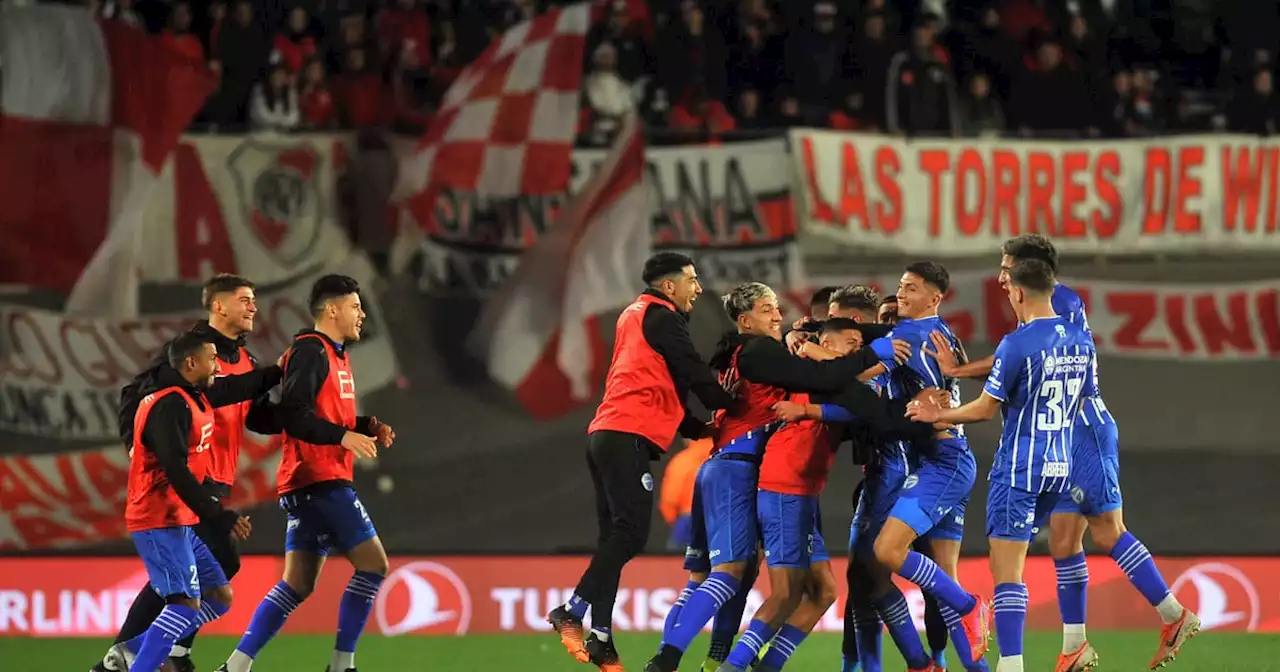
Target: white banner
{"type": "Point", "coordinates": [965, 197]}
{"type": "Point", "coordinates": [262, 206]}
{"type": "Point", "coordinates": [1204, 322]}
{"type": "Point", "coordinates": [61, 376]}
{"type": "Point", "coordinates": [727, 206]}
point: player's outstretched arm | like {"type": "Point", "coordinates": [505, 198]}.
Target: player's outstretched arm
{"type": "Point", "coordinates": [227, 390]}
{"type": "Point", "coordinates": [951, 368]}
{"type": "Point", "coordinates": [668, 334]}
{"type": "Point", "coordinates": [766, 361]}
{"type": "Point", "coordinates": [166, 434]}
{"type": "Point", "coordinates": [984, 408]}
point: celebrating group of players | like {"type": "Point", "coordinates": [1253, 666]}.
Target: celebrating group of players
{"type": "Point", "coordinates": [184, 419]}
{"type": "Point", "coordinates": [883, 375]}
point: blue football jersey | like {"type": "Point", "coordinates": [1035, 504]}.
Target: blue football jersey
{"type": "Point", "coordinates": [1041, 374]}
{"type": "Point", "coordinates": [921, 370]}
{"type": "Point", "coordinates": [1067, 304]}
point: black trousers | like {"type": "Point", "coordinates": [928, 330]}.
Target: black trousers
{"type": "Point", "coordinates": [619, 466]}
{"type": "Point", "coordinates": [148, 604]}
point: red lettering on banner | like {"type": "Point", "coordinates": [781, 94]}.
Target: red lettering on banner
{"type": "Point", "coordinates": [1235, 331]}
{"type": "Point", "coordinates": [200, 230]}
{"type": "Point", "coordinates": [1104, 184]}
{"type": "Point", "coordinates": [1268, 306]}
{"type": "Point", "coordinates": [1175, 308]}
{"type": "Point", "coordinates": [970, 220]}
{"type": "Point", "coordinates": [1156, 182]}
{"type": "Point", "coordinates": [1241, 182]}
{"type": "Point", "coordinates": [1008, 184]}
{"type": "Point", "coordinates": [889, 213]}
{"type": "Point", "coordinates": [820, 210]}
{"type": "Point", "coordinates": [1040, 176]}
{"type": "Point", "coordinates": [853, 193]}
{"type": "Point", "coordinates": [1273, 166]}
{"type": "Point", "coordinates": [1073, 164]}
{"type": "Point", "coordinates": [934, 162]}
{"type": "Point", "coordinates": [1186, 220]}
{"type": "Point", "coordinates": [1140, 310]}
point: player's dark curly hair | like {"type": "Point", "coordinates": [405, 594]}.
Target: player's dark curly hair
{"type": "Point", "coordinates": [823, 296]}
{"type": "Point", "coordinates": [186, 345]}
{"type": "Point", "coordinates": [221, 283]}
{"type": "Point", "coordinates": [1033, 275]}
{"type": "Point", "coordinates": [1032, 246]}
{"type": "Point", "coordinates": [933, 273]}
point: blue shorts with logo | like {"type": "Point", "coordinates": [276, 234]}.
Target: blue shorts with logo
{"type": "Point", "coordinates": [880, 491]}
{"type": "Point", "coordinates": [1014, 514]}
{"type": "Point", "coordinates": [934, 498]}
{"type": "Point", "coordinates": [724, 514]}
{"type": "Point", "coordinates": [787, 528]}
{"type": "Point", "coordinates": [1095, 470]}
{"type": "Point", "coordinates": [319, 522]}
{"type": "Point", "coordinates": [178, 562]}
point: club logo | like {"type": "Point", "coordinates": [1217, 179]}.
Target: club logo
{"type": "Point", "coordinates": [423, 597]}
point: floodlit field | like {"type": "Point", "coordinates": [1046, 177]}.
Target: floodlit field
{"type": "Point", "coordinates": [1120, 651]}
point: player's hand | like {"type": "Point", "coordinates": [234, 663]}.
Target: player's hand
{"type": "Point", "coordinates": [922, 412]}
{"type": "Point", "coordinates": [811, 350]}
{"type": "Point", "coordinates": [795, 339]}
{"type": "Point", "coordinates": [241, 530]}
{"type": "Point", "coordinates": [891, 350]}
{"type": "Point", "coordinates": [361, 445]}
{"type": "Point", "coordinates": [942, 352]}
{"type": "Point", "coordinates": [788, 411]}
{"type": "Point", "coordinates": [802, 322]}
{"type": "Point", "coordinates": [385, 435]}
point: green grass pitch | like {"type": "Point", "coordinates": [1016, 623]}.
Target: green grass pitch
{"type": "Point", "coordinates": [1119, 651]}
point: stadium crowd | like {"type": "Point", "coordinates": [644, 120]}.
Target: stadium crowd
{"type": "Point", "coordinates": [1059, 68]}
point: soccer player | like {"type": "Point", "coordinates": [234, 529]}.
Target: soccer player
{"type": "Point", "coordinates": [933, 497]}
{"type": "Point", "coordinates": [654, 368]}
{"type": "Point", "coordinates": [888, 313]}
{"type": "Point", "coordinates": [819, 302]}
{"type": "Point", "coordinates": [232, 308]}
{"type": "Point", "coordinates": [169, 458]}
{"type": "Point", "coordinates": [754, 362]}
{"type": "Point", "coordinates": [793, 472]}
{"type": "Point", "coordinates": [1095, 500]}
{"type": "Point", "coordinates": [1042, 372]}
{"type": "Point", "coordinates": [322, 437]}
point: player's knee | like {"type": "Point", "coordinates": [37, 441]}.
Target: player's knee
{"type": "Point", "coordinates": [825, 595]}
{"type": "Point", "coordinates": [890, 553]}
{"type": "Point", "coordinates": [222, 594]}
{"type": "Point", "coordinates": [1062, 545]}
{"type": "Point", "coordinates": [1106, 533]}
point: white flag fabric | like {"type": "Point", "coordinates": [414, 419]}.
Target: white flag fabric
{"type": "Point", "coordinates": [539, 336]}
{"type": "Point", "coordinates": [90, 110]}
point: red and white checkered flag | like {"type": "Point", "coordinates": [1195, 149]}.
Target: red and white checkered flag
{"type": "Point", "coordinates": [506, 126]}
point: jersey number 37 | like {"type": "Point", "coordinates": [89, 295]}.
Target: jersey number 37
{"type": "Point", "coordinates": [1055, 403]}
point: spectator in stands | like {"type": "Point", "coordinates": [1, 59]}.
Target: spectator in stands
{"type": "Point", "coordinates": [297, 42]}
{"type": "Point", "coordinates": [1050, 97]}
{"type": "Point", "coordinates": [920, 98]}
{"type": "Point", "coordinates": [446, 63]}
{"type": "Point", "coordinates": [633, 59]}
{"type": "Point", "coordinates": [410, 89]}
{"type": "Point", "coordinates": [692, 56]}
{"type": "Point", "coordinates": [405, 26]}
{"type": "Point", "coordinates": [1088, 50]}
{"type": "Point", "coordinates": [1112, 107]}
{"type": "Point", "coordinates": [987, 48]}
{"type": "Point", "coordinates": [980, 114]}
{"type": "Point", "coordinates": [608, 98]}
{"type": "Point", "coordinates": [814, 58]}
{"type": "Point", "coordinates": [359, 93]}
{"type": "Point", "coordinates": [315, 99]}
{"type": "Point", "coordinates": [868, 63]}
{"type": "Point", "coordinates": [178, 35]}
{"type": "Point", "coordinates": [243, 50]}
{"type": "Point", "coordinates": [215, 15]}
{"type": "Point", "coordinates": [790, 113]}
{"type": "Point", "coordinates": [754, 56]}
{"type": "Point", "coordinates": [1146, 108]}
{"type": "Point", "coordinates": [274, 103]}
{"type": "Point", "coordinates": [851, 114]}
{"type": "Point", "coordinates": [1256, 111]}
{"type": "Point", "coordinates": [353, 35]}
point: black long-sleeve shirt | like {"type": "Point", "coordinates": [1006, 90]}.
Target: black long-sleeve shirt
{"type": "Point", "coordinates": [767, 361]}
{"type": "Point", "coordinates": [307, 370]}
{"type": "Point", "coordinates": [167, 431]}
{"type": "Point", "coordinates": [667, 332]}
